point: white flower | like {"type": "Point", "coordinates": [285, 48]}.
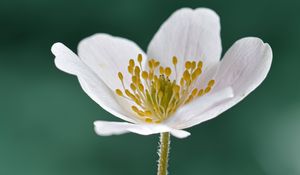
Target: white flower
{"type": "Point", "coordinates": [193, 86]}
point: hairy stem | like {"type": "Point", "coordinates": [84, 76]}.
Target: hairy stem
{"type": "Point", "coordinates": [163, 152]}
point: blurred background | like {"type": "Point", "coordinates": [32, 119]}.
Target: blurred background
{"type": "Point", "coordinates": [46, 120]}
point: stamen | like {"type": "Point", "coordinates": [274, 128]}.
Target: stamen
{"type": "Point", "coordinates": [120, 76]}
{"type": "Point", "coordinates": [161, 70]}
{"type": "Point", "coordinates": [132, 86]}
{"type": "Point", "coordinates": [131, 63]}
{"type": "Point", "coordinates": [200, 93]}
{"type": "Point", "coordinates": [200, 64]}
{"type": "Point", "coordinates": [156, 64]}
{"type": "Point", "coordinates": [130, 69]}
{"type": "Point", "coordinates": [141, 87]}
{"type": "Point", "coordinates": [174, 60]}
{"type": "Point", "coordinates": [145, 75]}
{"type": "Point", "coordinates": [211, 83]}
{"type": "Point", "coordinates": [156, 97]}
{"type": "Point", "coordinates": [193, 66]}
{"type": "Point", "coordinates": [186, 76]}
{"type": "Point", "coordinates": [119, 92]}
{"type": "Point", "coordinates": [168, 71]}
{"type": "Point", "coordinates": [207, 89]}
{"type": "Point", "coordinates": [194, 92]}
{"type": "Point", "coordinates": [150, 64]}
{"type": "Point", "coordinates": [140, 58]}
{"type": "Point", "coordinates": [188, 65]}
{"type": "Point", "coordinates": [148, 120]}
{"type": "Point", "coordinates": [137, 71]}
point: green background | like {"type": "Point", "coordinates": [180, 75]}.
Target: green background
{"type": "Point", "coordinates": [46, 120]}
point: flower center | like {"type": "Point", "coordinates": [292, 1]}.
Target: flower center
{"type": "Point", "coordinates": [156, 97]}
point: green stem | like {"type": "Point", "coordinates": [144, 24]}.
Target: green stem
{"type": "Point", "coordinates": [163, 152]}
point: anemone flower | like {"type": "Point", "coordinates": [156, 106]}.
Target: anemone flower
{"type": "Point", "coordinates": [180, 82]}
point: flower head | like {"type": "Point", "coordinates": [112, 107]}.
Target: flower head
{"type": "Point", "coordinates": [179, 83]}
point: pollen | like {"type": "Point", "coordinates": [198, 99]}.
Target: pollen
{"type": "Point", "coordinates": [154, 94]}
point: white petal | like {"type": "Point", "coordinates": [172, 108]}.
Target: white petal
{"type": "Point", "coordinates": [244, 67]}
{"type": "Point", "coordinates": [179, 133]}
{"type": "Point", "coordinates": [66, 60]}
{"type": "Point", "coordinates": [105, 128]}
{"type": "Point", "coordinates": [189, 35]}
{"type": "Point", "coordinates": [69, 62]}
{"type": "Point", "coordinates": [107, 55]}
{"type": "Point", "coordinates": [196, 108]}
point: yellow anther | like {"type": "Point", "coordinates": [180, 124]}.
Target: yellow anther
{"type": "Point", "coordinates": [156, 64]}
{"type": "Point", "coordinates": [140, 58]}
{"type": "Point", "coordinates": [131, 63]}
{"type": "Point", "coordinates": [130, 69]}
{"type": "Point", "coordinates": [119, 92]}
{"type": "Point", "coordinates": [188, 65]}
{"type": "Point", "coordinates": [141, 87]}
{"type": "Point", "coordinates": [145, 75]}
{"type": "Point", "coordinates": [135, 109]}
{"type": "Point", "coordinates": [141, 113]}
{"type": "Point", "coordinates": [137, 71]}
{"type": "Point", "coordinates": [193, 66]}
{"type": "Point", "coordinates": [207, 89]}
{"type": "Point", "coordinates": [161, 70]}
{"type": "Point", "coordinates": [120, 75]}
{"type": "Point", "coordinates": [211, 83]}
{"type": "Point", "coordinates": [186, 75]}
{"type": "Point", "coordinates": [168, 71]}
{"type": "Point", "coordinates": [148, 113]}
{"type": "Point", "coordinates": [200, 93]}
{"type": "Point", "coordinates": [136, 100]}
{"type": "Point", "coordinates": [128, 93]}
{"type": "Point", "coordinates": [174, 60]}
{"type": "Point", "coordinates": [150, 64]}
{"type": "Point", "coordinates": [132, 86]}
{"type": "Point", "coordinates": [134, 79]}
{"type": "Point", "coordinates": [155, 78]}
{"type": "Point", "coordinates": [148, 120]}
{"type": "Point", "coordinates": [196, 73]}
{"type": "Point", "coordinates": [200, 64]}
{"type": "Point", "coordinates": [194, 92]}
